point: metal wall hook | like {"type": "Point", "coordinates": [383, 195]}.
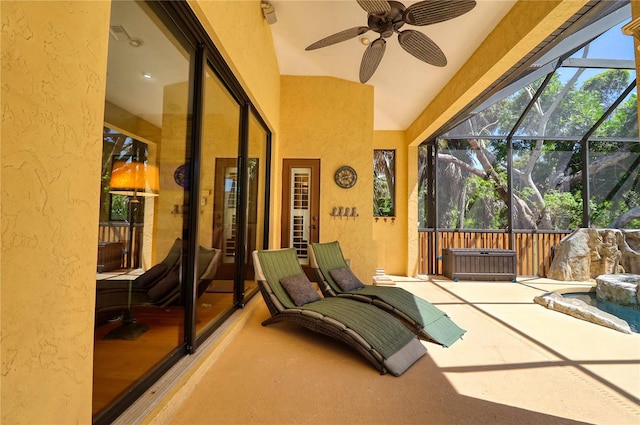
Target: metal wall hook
{"type": "Point", "coordinates": [344, 212]}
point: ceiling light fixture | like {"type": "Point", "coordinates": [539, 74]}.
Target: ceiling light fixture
{"type": "Point", "coordinates": [364, 40]}
{"type": "Point", "coordinates": [135, 42]}
{"type": "Point", "coordinates": [147, 76]}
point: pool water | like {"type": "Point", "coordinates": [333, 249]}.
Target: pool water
{"type": "Point", "coordinates": [629, 314]}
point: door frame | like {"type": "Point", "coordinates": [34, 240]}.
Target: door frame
{"type": "Point", "coordinates": [314, 203]}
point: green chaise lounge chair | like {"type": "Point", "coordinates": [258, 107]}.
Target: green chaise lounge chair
{"type": "Point", "coordinates": [373, 333]}
{"type": "Point", "coordinates": [163, 291]}
{"type": "Point", "coordinates": [423, 318]}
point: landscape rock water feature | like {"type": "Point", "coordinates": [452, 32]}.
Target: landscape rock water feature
{"type": "Point", "coordinates": [621, 289]}
{"type": "Point", "coordinates": [587, 253]}
{"type": "Point", "coordinates": [581, 310]}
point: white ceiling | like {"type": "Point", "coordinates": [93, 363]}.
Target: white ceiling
{"type": "Point", "coordinates": [403, 85]}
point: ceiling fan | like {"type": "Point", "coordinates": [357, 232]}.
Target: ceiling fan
{"type": "Point", "coordinates": [387, 17]}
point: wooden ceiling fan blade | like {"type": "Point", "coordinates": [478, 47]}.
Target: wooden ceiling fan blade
{"type": "Point", "coordinates": [375, 6]}
{"type": "Point", "coordinates": [371, 59]}
{"type": "Point", "coordinates": [430, 12]}
{"type": "Point", "coordinates": [422, 47]}
{"type": "Point", "coordinates": [338, 37]}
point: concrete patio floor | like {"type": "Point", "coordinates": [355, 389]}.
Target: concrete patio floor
{"type": "Point", "coordinates": [519, 363]}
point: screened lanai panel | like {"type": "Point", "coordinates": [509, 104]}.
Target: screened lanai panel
{"type": "Point", "coordinates": [573, 101]}
{"type": "Point", "coordinates": [614, 172]}
{"type": "Point", "coordinates": [546, 185]}
{"type": "Point", "coordinates": [498, 119]}
{"type": "Point", "coordinates": [472, 184]}
{"type": "Point", "coordinates": [623, 121]}
{"type": "Point", "coordinates": [614, 180]}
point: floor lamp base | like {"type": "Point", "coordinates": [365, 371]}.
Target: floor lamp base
{"type": "Point", "coordinates": [129, 329]}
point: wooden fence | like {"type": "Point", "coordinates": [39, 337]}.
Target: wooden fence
{"type": "Point", "coordinates": [533, 248]}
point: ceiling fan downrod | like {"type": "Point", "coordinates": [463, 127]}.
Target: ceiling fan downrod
{"type": "Point", "coordinates": [386, 23]}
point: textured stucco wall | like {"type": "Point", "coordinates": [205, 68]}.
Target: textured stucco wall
{"type": "Point", "coordinates": [243, 37]}
{"type": "Point", "coordinates": [391, 236]}
{"type": "Point", "coordinates": [53, 89]}
{"type": "Point", "coordinates": [332, 119]}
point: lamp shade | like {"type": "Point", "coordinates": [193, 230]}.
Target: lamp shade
{"type": "Point", "coordinates": [134, 179]}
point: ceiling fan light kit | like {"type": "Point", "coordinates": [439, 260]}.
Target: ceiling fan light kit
{"type": "Point", "coordinates": [387, 17]}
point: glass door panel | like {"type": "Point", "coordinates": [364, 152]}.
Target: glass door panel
{"type": "Point", "coordinates": [256, 200]}
{"type": "Point", "coordinates": [218, 202]}
{"type": "Point", "coordinates": [140, 308]}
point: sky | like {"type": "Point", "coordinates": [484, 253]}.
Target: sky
{"type": "Point", "coordinates": [611, 45]}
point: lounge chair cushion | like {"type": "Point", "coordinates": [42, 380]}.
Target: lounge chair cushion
{"type": "Point", "coordinates": [164, 286]}
{"type": "Point", "coordinates": [150, 276]}
{"type": "Point", "coordinates": [428, 321]}
{"type": "Point", "coordinates": [300, 289]}
{"type": "Point", "coordinates": [345, 279]}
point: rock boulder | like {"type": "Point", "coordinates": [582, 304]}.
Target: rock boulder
{"type": "Point", "coordinates": [619, 289]}
{"type": "Point", "coordinates": [587, 253]}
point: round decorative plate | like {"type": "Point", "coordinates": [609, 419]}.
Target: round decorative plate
{"type": "Point", "coordinates": [345, 177]}
{"type": "Point", "coordinates": [180, 176]}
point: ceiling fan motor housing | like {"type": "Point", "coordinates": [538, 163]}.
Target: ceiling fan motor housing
{"type": "Point", "coordinates": [387, 17]}
{"type": "Point", "coordinates": [386, 23]}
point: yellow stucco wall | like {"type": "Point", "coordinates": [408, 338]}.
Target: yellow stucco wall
{"type": "Point", "coordinates": [52, 115]}
{"type": "Point", "coordinates": [332, 119]}
{"type": "Point", "coordinates": [390, 236]}
{"type": "Point", "coordinates": [240, 32]}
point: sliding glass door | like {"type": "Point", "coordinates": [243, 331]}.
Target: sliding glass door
{"type": "Point", "coordinates": [140, 302]}
{"type": "Point", "coordinates": [183, 199]}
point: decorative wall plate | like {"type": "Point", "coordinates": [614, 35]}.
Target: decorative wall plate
{"type": "Point", "coordinates": [345, 177]}
{"type": "Point", "coordinates": [181, 176]}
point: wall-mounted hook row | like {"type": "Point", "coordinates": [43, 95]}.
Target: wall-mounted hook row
{"type": "Point", "coordinates": [344, 212]}
{"type": "Point", "coordinates": [393, 219]}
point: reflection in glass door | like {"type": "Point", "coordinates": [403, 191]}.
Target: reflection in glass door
{"type": "Point", "coordinates": [218, 201]}
{"type": "Point", "coordinates": [146, 135]}
{"type": "Point", "coordinates": [256, 198]}
{"type": "Point", "coordinates": [229, 214]}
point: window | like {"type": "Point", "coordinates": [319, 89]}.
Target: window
{"type": "Point", "coordinates": [384, 182]}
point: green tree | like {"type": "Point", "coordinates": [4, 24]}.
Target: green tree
{"type": "Point", "coordinates": [548, 173]}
